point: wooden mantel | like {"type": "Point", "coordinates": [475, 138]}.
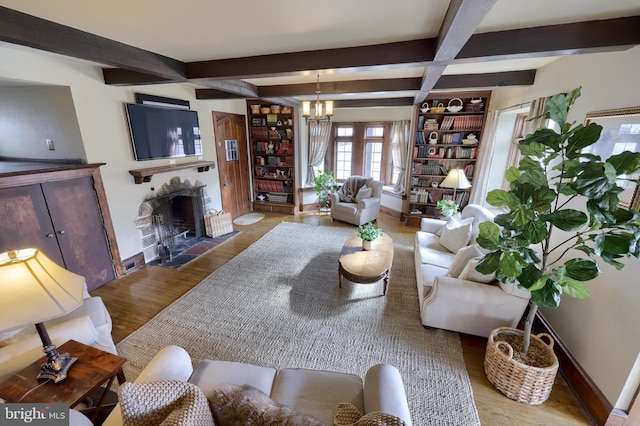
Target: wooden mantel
{"type": "Point", "coordinates": [145, 175]}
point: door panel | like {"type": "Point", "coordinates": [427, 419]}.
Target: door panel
{"type": "Point", "coordinates": [77, 222]}
{"type": "Point", "coordinates": [233, 169]}
{"type": "Point", "coordinates": [25, 222]}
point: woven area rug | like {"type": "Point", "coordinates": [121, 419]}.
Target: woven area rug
{"type": "Point", "coordinates": [278, 304]}
{"type": "Point", "coordinates": [248, 219]}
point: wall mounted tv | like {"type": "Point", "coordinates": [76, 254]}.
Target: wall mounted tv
{"type": "Point", "coordinates": [161, 132]}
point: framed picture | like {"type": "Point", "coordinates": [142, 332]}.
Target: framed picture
{"type": "Point", "coordinates": [620, 132]}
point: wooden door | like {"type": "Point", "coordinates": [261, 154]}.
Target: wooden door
{"type": "Point", "coordinates": [233, 162]}
{"type": "Point", "coordinates": [77, 222]}
{"type": "Point", "coordinates": [25, 222]}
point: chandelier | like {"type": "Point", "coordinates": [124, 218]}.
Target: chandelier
{"type": "Point", "coordinates": [328, 110]}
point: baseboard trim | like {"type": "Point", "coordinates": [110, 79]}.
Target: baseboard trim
{"type": "Point", "coordinates": [133, 263]}
{"type": "Point", "coordinates": [585, 390]}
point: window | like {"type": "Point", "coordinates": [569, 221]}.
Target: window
{"type": "Point", "coordinates": [360, 149]}
{"type": "Point", "coordinates": [343, 160]}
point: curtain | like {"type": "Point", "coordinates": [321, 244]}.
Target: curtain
{"type": "Point", "coordinates": [319, 136]}
{"type": "Point", "coordinates": [483, 163]}
{"type": "Point", "coordinates": [400, 141]}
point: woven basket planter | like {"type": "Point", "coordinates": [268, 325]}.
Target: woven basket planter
{"type": "Point", "coordinates": [515, 379]}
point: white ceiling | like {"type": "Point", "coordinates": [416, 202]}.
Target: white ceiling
{"type": "Point", "coordinates": [194, 30]}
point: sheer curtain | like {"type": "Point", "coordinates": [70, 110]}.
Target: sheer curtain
{"type": "Point", "coordinates": [483, 162]}
{"type": "Point", "coordinates": [319, 136]}
{"type": "Point", "coordinates": [400, 139]}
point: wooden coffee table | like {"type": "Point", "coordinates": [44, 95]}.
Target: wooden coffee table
{"type": "Point", "coordinates": [94, 368]}
{"type": "Point", "coordinates": [366, 266]}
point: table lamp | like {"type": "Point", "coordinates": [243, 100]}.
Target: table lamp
{"type": "Point", "coordinates": [34, 289]}
{"type": "Point", "coordinates": [456, 179]}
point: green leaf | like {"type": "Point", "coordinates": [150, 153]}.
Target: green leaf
{"type": "Point", "coordinates": [488, 236]}
{"type": "Point", "coordinates": [548, 296]}
{"type": "Point", "coordinates": [538, 284]}
{"type": "Point", "coordinates": [535, 230]}
{"type": "Point", "coordinates": [532, 149]}
{"type": "Point", "coordinates": [581, 269]}
{"type": "Point", "coordinates": [542, 136]}
{"type": "Point", "coordinates": [582, 137]}
{"type": "Point", "coordinates": [625, 163]}
{"type": "Point", "coordinates": [567, 219]}
{"type": "Point", "coordinates": [512, 174]}
{"type": "Point", "coordinates": [558, 108]}
{"type": "Point", "coordinates": [499, 197]}
{"type": "Point", "coordinates": [521, 216]}
{"type": "Point", "coordinates": [542, 199]}
{"type": "Point", "coordinates": [490, 263]}
{"type": "Point", "coordinates": [613, 244]}
{"type": "Point", "coordinates": [570, 168]}
{"type": "Point", "coordinates": [529, 276]}
{"type": "Point", "coordinates": [574, 289]}
{"type": "Point", "coordinates": [509, 265]}
{"type": "Point", "coordinates": [595, 180]}
{"type": "Point", "coordinates": [504, 220]}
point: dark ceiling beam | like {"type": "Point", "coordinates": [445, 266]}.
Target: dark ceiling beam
{"type": "Point", "coordinates": [342, 87]}
{"type": "Point", "coordinates": [348, 59]}
{"type": "Point", "coordinates": [28, 30]}
{"type": "Point", "coordinates": [488, 80]}
{"type": "Point", "coordinates": [459, 24]}
{"type": "Point", "coordinates": [370, 103]}
{"type": "Point", "coordinates": [446, 82]}
{"type": "Point", "coordinates": [580, 37]}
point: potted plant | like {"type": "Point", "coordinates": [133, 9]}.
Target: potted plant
{"type": "Point", "coordinates": [448, 208]}
{"type": "Point", "coordinates": [368, 233]}
{"type": "Point", "coordinates": [551, 177]}
{"type": "Point", "coordinates": [324, 185]}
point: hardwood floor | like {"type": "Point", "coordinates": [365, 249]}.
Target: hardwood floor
{"type": "Point", "coordinates": [136, 298]}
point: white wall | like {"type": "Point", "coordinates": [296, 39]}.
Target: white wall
{"type": "Point", "coordinates": [103, 128]}
{"type": "Point", "coordinates": [602, 331]}
{"type": "Point", "coordinates": [23, 136]}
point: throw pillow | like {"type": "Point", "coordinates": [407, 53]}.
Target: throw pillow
{"type": "Point", "coordinates": [461, 259]}
{"type": "Point", "coordinates": [456, 235]}
{"type": "Point", "coordinates": [364, 192]}
{"type": "Point", "coordinates": [246, 405]}
{"type": "Point", "coordinates": [166, 402]}
{"type": "Point", "coordinates": [469, 273]}
{"type": "Point", "coordinates": [347, 414]}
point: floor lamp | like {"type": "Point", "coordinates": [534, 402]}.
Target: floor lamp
{"type": "Point", "coordinates": [34, 289]}
{"type": "Point", "coordinates": [456, 179]}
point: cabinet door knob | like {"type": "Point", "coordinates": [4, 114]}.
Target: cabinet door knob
{"type": "Point", "coordinates": [49, 235]}
{"type": "Point", "coordinates": [61, 232]}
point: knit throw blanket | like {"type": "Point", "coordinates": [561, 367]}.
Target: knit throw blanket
{"type": "Point", "coordinates": [350, 188]}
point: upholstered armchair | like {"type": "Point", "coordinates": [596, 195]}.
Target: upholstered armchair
{"type": "Point", "coordinates": [358, 200]}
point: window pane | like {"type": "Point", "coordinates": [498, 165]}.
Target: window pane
{"type": "Point", "coordinates": [345, 131]}
{"type": "Point", "coordinates": [373, 160]}
{"type": "Point", "coordinates": [374, 132]}
{"type": "Point", "coordinates": [343, 160]}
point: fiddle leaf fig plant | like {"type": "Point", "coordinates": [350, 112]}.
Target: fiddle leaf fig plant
{"type": "Point", "coordinates": [554, 172]}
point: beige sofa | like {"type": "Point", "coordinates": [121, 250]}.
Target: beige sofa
{"type": "Point", "coordinates": [451, 294]}
{"type": "Point", "coordinates": [312, 392]}
{"type": "Point", "coordinates": [352, 205]}
{"type": "Point", "coordinates": [90, 324]}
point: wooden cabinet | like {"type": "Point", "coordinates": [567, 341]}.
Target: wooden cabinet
{"type": "Point", "coordinates": [273, 155]}
{"type": "Point", "coordinates": [447, 136]}
{"type": "Point", "coordinates": [62, 216]}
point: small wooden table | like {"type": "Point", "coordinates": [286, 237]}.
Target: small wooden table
{"type": "Point", "coordinates": [94, 368]}
{"type": "Point", "coordinates": [366, 266]}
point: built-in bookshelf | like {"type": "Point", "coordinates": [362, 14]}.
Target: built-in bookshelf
{"type": "Point", "coordinates": [448, 132]}
{"type": "Point", "coordinates": [272, 141]}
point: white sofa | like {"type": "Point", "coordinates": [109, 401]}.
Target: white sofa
{"type": "Point", "coordinates": [456, 299]}
{"type": "Point", "coordinates": [90, 324]}
{"type": "Point", "coordinates": [311, 392]}
{"type": "Point", "coordinates": [359, 209]}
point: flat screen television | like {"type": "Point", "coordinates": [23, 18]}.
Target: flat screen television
{"type": "Point", "coordinates": [160, 132]}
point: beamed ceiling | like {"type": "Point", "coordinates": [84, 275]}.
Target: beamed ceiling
{"type": "Point", "coordinates": [368, 53]}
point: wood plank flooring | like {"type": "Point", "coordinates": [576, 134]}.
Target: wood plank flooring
{"type": "Point", "coordinates": [136, 298]}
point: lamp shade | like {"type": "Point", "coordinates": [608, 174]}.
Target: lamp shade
{"type": "Point", "coordinates": [455, 179]}
{"type": "Point", "coordinates": [34, 289]}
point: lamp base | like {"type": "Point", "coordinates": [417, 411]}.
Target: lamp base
{"type": "Point", "coordinates": [57, 366]}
